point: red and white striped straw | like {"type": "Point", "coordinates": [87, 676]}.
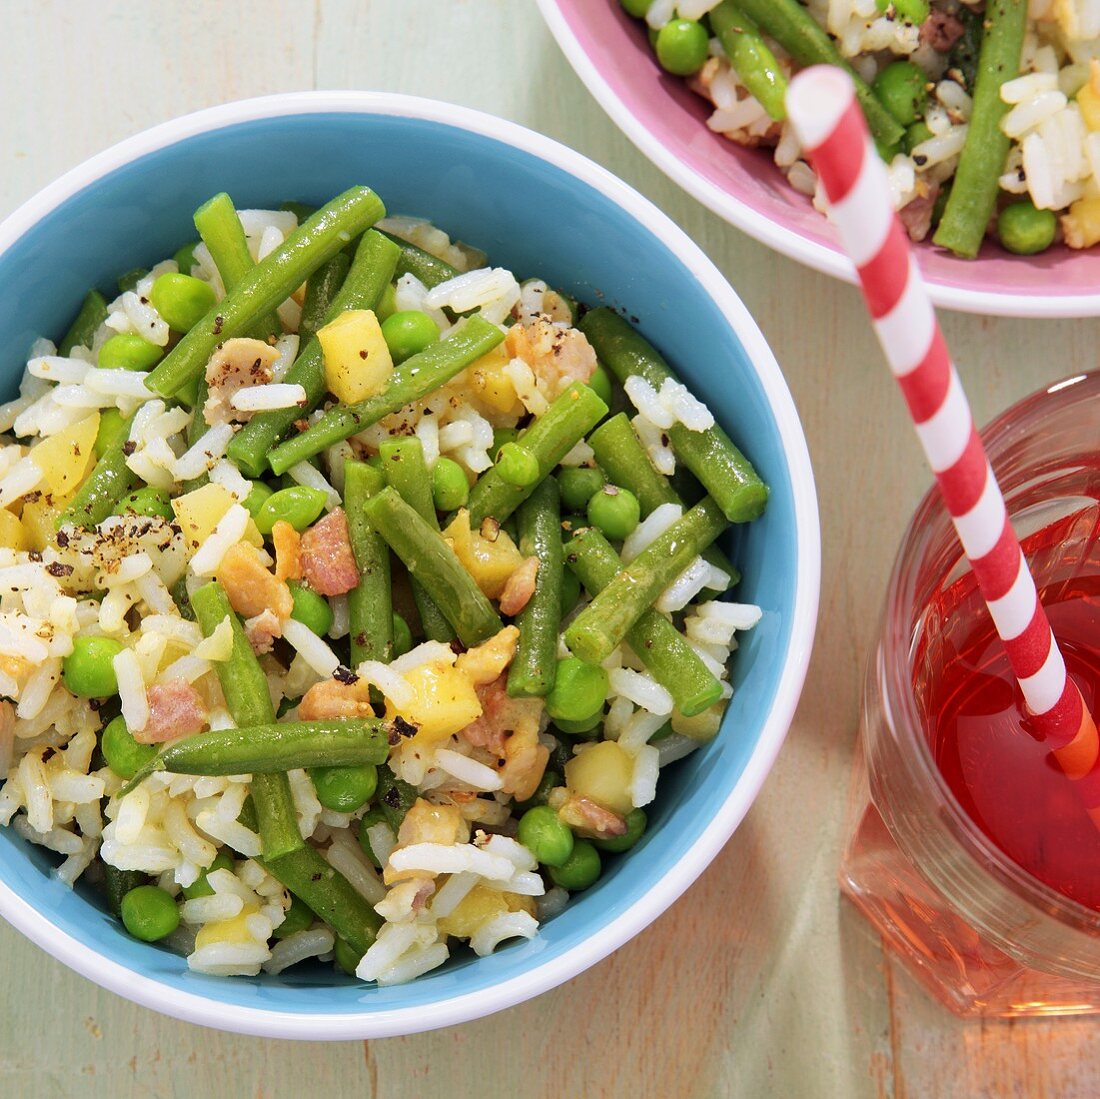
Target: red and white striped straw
{"type": "Point", "coordinates": [822, 106]}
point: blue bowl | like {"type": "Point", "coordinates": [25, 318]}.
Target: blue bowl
{"type": "Point", "coordinates": [539, 209]}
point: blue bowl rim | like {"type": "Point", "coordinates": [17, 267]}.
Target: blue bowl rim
{"type": "Point", "coordinates": [662, 893]}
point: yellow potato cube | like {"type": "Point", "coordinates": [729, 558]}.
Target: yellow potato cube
{"type": "Point", "coordinates": [603, 773]}
{"type": "Point", "coordinates": [490, 563]}
{"type": "Point", "coordinates": [702, 726]}
{"type": "Point", "coordinates": [12, 534]}
{"type": "Point", "coordinates": [1088, 101]}
{"type": "Point", "coordinates": [444, 701]}
{"type": "Point", "coordinates": [1081, 224]}
{"type": "Point", "coordinates": [234, 931]}
{"type": "Point", "coordinates": [492, 385]}
{"type": "Point", "coordinates": [358, 363]}
{"type": "Point", "coordinates": [40, 519]}
{"type": "Point", "coordinates": [200, 511]}
{"type": "Point", "coordinates": [65, 458]}
{"type": "Point", "coordinates": [479, 906]}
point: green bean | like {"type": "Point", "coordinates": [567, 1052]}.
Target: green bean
{"type": "Point", "coordinates": [976, 185]}
{"type": "Point", "coordinates": [272, 747]}
{"type": "Point", "coordinates": [549, 438]}
{"type": "Point", "coordinates": [370, 604]}
{"type": "Point", "coordinates": [301, 210]}
{"type": "Point", "coordinates": [724, 471]}
{"type": "Point", "coordinates": [109, 481]}
{"type": "Point", "coordinates": [429, 269]}
{"type": "Point", "coordinates": [131, 278]}
{"type": "Point", "coordinates": [117, 883]}
{"type": "Point", "coordinates": [654, 639]}
{"type": "Point", "coordinates": [625, 461]}
{"type": "Point", "coordinates": [596, 631]}
{"type": "Point", "coordinates": [267, 284]}
{"type": "Point", "coordinates": [414, 378]}
{"type": "Point", "coordinates": [222, 233]}
{"type": "Point", "coordinates": [308, 875]}
{"type": "Point", "coordinates": [751, 57]}
{"type": "Point", "coordinates": [792, 26]}
{"type": "Point", "coordinates": [533, 667]}
{"type": "Point", "coordinates": [321, 290]}
{"type": "Point", "coordinates": [93, 312]}
{"type": "Point", "coordinates": [366, 281]}
{"type": "Point", "coordinates": [245, 688]}
{"type": "Point", "coordinates": [406, 472]}
{"type": "Point", "coordinates": [431, 561]}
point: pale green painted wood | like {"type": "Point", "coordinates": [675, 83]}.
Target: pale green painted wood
{"type": "Point", "coordinates": [758, 982]}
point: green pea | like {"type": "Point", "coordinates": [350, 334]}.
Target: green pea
{"type": "Point", "coordinates": [310, 609]}
{"type": "Point", "coordinates": [517, 465]}
{"type": "Point", "coordinates": [682, 46]}
{"type": "Point", "coordinates": [580, 870]}
{"type": "Point", "coordinates": [402, 636]}
{"type": "Point", "coordinates": [146, 501]}
{"type": "Point", "coordinates": [181, 300]}
{"type": "Point", "coordinates": [579, 485]}
{"type": "Point", "coordinates": [130, 280]}
{"type": "Point", "coordinates": [917, 134]}
{"type": "Point", "coordinates": [635, 829]}
{"type": "Point", "coordinates": [124, 755]}
{"type": "Point", "coordinates": [150, 913]}
{"type": "Point", "coordinates": [256, 497]}
{"type": "Point", "coordinates": [88, 671]}
{"type": "Point", "coordinates": [112, 428]}
{"type": "Point", "coordinates": [614, 511]}
{"type": "Point", "coordinates": [450, 489]}
{"type": "Point", "coordinates": [549, 780]}
{"type": "Point", "coordinates": [185, 257]}
{"type": "Point", "coordinates": [1025, 229]}
{"type": "Point", "coordinates": [388, 305]}
{"type": "Point", "coordinates": [579, 691]}
{"type": "Point", "coordinates": [580, 727]}
{"type": "Point", "coordinates": [545, 836]}
{"type": "Point", "coordinates": [200, 887]}
{"type": "Point", "coordinates": [902, 88]}
{"type": "Point", "coordinates": [601, 383]}
{"type": "Point", "coordinates": [299, 917]}
{"type": "Point", "coordinates": [408, 332]}
{"type": "Point", "coordinates": [570, 591]}
{"type": "Point", "coordinates": [637, 8]}
{"type": "Point", "coordinates": [128, 351]}
{"type": "Point", "coordinates": [501, 435]}
{"type": "Point", "coordinates": [345, 789]}
{"type": "Point", "coordinates": [911, 11]}
{"type": "Point", "coordinates": [347, 957]}
{"type": "Point", "coordinates": [297, 505]}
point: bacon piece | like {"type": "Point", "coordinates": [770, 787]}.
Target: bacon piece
{"type": "Point", "coordinates": [328, 563]}
{"type": "Point", "coordinates": [500, 716]}
{"type": "Point", "coordinates": [487, 661]}
{"type": "Point", "coordinates": [288, 555]}
{"type": "Point", "coordinates": [941, 30]}
{"type": "Point", "coordinates": [175, 709]}
{"type": "Point", "coordinates": [916, 215]}
{"type": "Point", "coordinates": [7, 736]}
{"type": "Point", "coordinates": [250, 587]}
{"type": "Point", "coordinates": [556, 356]}
{"type": "Point", "coordinates": [591, 818]}
{"type": "Point", "coordinates": [332, 698]}
{"type": "Point", "coordinates": [519, 587]}
{"type": "Point", "coordinates": [237, 364]}
{"type": "Point", "coordinates": [261, 631]}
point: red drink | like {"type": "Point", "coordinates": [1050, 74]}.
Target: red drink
{"type": "Point", "coordinates": [1006, 779]}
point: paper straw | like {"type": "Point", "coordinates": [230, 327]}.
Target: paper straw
{"type": "Point", "coordinates": [822, 107]}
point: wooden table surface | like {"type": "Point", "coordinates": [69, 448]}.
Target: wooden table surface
{"type": "Point", "coordinates": [759, 981]}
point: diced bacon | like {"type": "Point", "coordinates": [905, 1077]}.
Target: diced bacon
{"type": "Point", "coordinates": [7, 736]}
{"type": "Point", "coordinates": [250, 587]}
{"type": "Point", "coordinates": [175, 709]}
{"type": "Point", "coordinates": [519, 587]}
{"type": "Point", "coordinates": [288, 551]}
{"type": "Point", "coordinates": [328, 563]}
{"type": "Point", "coordinates": [500, 716]}
{"type": "Point", "coordinates": [262, 630]}
{"type": "Point", "coordinates": [331, 698]}
{"type": "Point", "coordinates": [487, 661]}
{"type": "Point", "coordinates": [556, 356]}
{"type": "Point", "coordinates": [916, 215]}
{"type": "Point", "coordinates": [237, 364]}
{"type": "Point", "coordinates": [941, 30]}
{"type": "Point", "coordinates": [591, 818]}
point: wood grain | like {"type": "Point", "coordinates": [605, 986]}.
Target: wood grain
{"type": "Point", "coordinates": [758, 982]}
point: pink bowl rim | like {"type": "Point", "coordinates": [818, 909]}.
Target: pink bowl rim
{"type": "Point", "coordinates": [820, 257]}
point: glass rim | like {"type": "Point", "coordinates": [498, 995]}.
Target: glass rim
{"type": "Point", "coordinates": [929, 522]}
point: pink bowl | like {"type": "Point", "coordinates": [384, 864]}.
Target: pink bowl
{"type": "Point", "coordinates": [658, 112]}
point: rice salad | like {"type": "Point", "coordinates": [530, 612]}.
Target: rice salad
{"type": "Point", "coordinates": [921, 64]}
{"type": "Point", "coordinates": [353, 593]}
